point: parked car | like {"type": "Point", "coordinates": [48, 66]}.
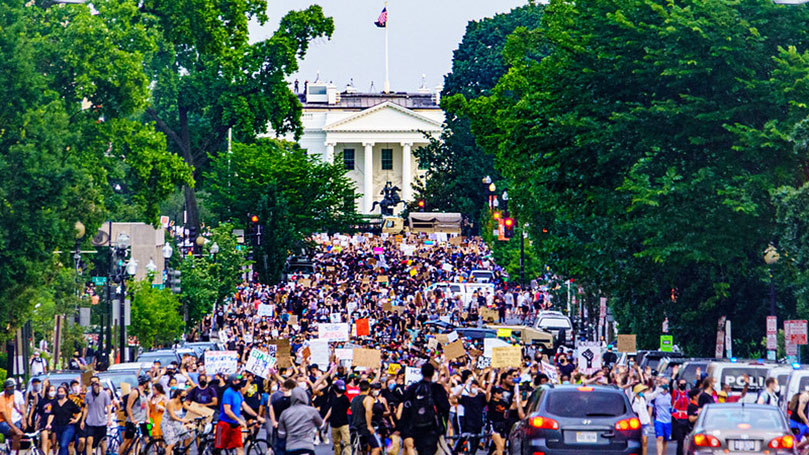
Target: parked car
{"type": "Point", "coordinates": [529, 335]}
{"type": "Point", "coordinates": [165, 356]}
{"type": "Point", "coordinates": [201, 346]}
{"type": "Point", "coordinates": [652, 359]}
{"type": "Point", "coordinates": [557, 324]}
{"type": "Point", "coordinates": [58, 377]}
{"type": "Point", "coordinates": [737, 428]}
{"type": "Point", "coordinates": [577, 419]}
{"type": "Point", "coordinates": [301, 267]}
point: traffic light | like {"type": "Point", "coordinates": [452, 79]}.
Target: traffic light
{"type": "Point", "coordinates": [254, 219]}
{"type": "Point", "coordinates": [422, 204]}
{"type": "Point", "coordinates": [254, 229]}
{"type": "Point", "coordinates": [174, 280]}
{"type": "Point", "coordinates": [508, 225]}
{"type": "Point", "coordinates": [496, 215]}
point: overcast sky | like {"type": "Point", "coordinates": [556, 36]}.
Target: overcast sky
{"type": "Point", "coordinates": [422, 36]}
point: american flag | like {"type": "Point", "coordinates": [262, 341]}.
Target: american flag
{"type": "Point", "coordinates": [382, 21]}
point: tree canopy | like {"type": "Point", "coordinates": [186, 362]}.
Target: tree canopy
{"type": "Point", "coordinates": [647, 143]}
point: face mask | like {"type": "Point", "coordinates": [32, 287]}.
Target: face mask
{"type": "Point", "coordinates": [682, 386]}
{"type": "Point", "coordinates": [203, 384]}
{"type": "Point", "coordinates": [51, 394]}
{"type": "Point", "coordinates": [95, 391]}
{"type": "Point", "coordinates": [375, 393]}
{"type": "Point", "coordinates": [391, 386]}
{"type": "Point", "coordinates": [37, 388]}
{"type": "Point", "coordinates": [76, 389]}
{"type": "Point", "coordinates": [640, 395]}
{"type": "Point", "coordinates": [61, 396]}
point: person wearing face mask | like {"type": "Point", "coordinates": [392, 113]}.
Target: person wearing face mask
{"type": "Point", "coordinates": [203, 393]}
{"type": "Point", "coordinates": [473, 399]}
{"type": "Point", "coordinates": [42, 413]}
{"type": "Point", "coordinates": [31, 399]}
{"type": "Point", "coordinates": [11, 404]}
{"type": "Point", "coordinates": [380, 412]}
{"type": "Point", "coordinates": [157, 406]}
{"type": "Point", "coordinates": [641, 408]}
{"type": "Point", "coordinates": [75, 394]}
{"type": "Point", "coordinates": [279, 402]}
{"type": "Point", "coordinates": [229, 427]}
{"type": "Point", "coordinates": [680, 425]}
{"type": "Point", "coordinates": [136, 411]}
{"type": "Point", "coordinates": [97, 416]}
{"type": "Point", "coordinates": [565, 368]}
{"type": "Point", "coordinates": [337, 417]}
{"type": "Point", "coordinates": [64, 417]}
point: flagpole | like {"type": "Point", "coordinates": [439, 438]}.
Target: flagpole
{"type": "Point", "coordinates": [387, 68]}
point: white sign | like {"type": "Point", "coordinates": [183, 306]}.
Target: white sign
{"type": "Point", "coordinates": [221, 362]}
{"type": "Point", "coordinates": [265, 310]}
{"type": "Point", "coordinates": [319, 354]}
{"type": "Point", "coordinates": [412, 375]}
{"type": "Point", "coordinates": [452, 336]}
{"type": "Point", "coordinates": [445, 319]}
{"type": "Point", "coordinates": [260, 363]}
{"type": "Point", "coordinates": [335, 318]}
{"type": "Point", "coordinates": [550, 371]}
{"type": "Point", "coordinates": [772, 333]}
{"type": "Point", "coordinates": [333, 332]}
{"type": "Point", "coordinates": [447, 268]}
{"type": "Point", "coordinates": [248, 337]}
{"type": "Point", "coordinates": [589, 358]}
{"type": "Point", "coordinates": [491, 343]}
{"type": "Point", "coordinates": [345, 356]}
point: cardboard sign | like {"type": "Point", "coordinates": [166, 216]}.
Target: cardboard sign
{"type": "Point", "coordinates": [283, 352]}
{"type": "Point", "coordinates": [363, 328]}
{"type": "Point", "coordinates": [488, 314]}
{"type": "Point", "coordinates": [305, 283]}
{"type": "Point", "coordinates": [443, 338]}
{"type": "Point", "coordinates": [387, 306]}
{"type": "Point", "coordinates": [394, 368]}
{"type": "Point", "coordinates": [456, 241]}
{"type": "Point", "coordinates": [368, 358]}
{"type": "Point", "coordinates": [265, 310]}
{"type": "Point", "coordinates": [491, 343]}
{"type": "Point", "coordinates": [125, 388]}
{"type": "Point", "coordinates": [503, 333]}
{"type": "Point", "coordinates": [293, 319]}
{"type": "Point", "coordinates": [412, 375]}
{"type": "Point", "coordinates": [260, 363]}
{"type": "Point", "coordinates": [453, 336]}
{"type": "Point", "coordinates": [85, 378]}
{"type": "Point", "coordinates": [454, 350]}
{"type": "Point", "coordinates": [507, 357]}
{"type": "Point", "coordinates": [333, 332]}
{"type": "Point", "coordinates": [626, 343]}
{"type": "Point", "coordinates": [224, 362]}
{"type": "Point", "coordinates": [196, 410]}
{"type": "Point", "coordinates": [382, 279]}
{"type": "Point", "coordinates": [344, 355]}
{"type": "Point", "coordinates": [432, 343]}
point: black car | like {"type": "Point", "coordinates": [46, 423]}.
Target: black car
{"type": "Point", "coordinates": [577, 419]}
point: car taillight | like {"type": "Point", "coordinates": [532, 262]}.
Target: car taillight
{"type": "Point", "coordinates": [784, 442]}
{"type": "Point", "coordinates": [628, 424]}
{"type": "Point", "coordinates": [584, 389]}
{"type": "Point", "coordinates": [544, 423]}
{"type": "Point", "coordinates": [705, 440]}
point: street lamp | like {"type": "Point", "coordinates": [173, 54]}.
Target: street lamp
{"type": "Point", "coordinates": [151, 267]}
{"type": "Point", "coordinates": [214, 250]}
{"type": "Point", "coordinates": [123, 241]}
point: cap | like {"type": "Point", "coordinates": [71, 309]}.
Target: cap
{"type": "Point", "coordinates": [233, 378]}
{"type": "Point", "coordinates": [340, 385]}
{"type": "Point", "coordinates": [9, 383]}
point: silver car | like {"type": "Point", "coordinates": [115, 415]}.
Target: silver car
{"type": "Point", "coordinates": [740, 428]}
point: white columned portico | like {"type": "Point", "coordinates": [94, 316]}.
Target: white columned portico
{"type": "Point", "coordinates": [330, 152]}
{"type": "Point", "coordinates": [407, 187]}
{"type": "Point", "coordinates": [368, 178]}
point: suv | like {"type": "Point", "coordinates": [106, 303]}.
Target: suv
{"type": "Point", "coordinates": [557, 324]}
{"type": "Point", "coordinates": [570, 419]}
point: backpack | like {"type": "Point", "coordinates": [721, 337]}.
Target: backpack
{"type": "Point", "coordinates": [424, 414]}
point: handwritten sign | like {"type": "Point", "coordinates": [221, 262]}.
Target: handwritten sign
{"type": "Point", "coordinates": [265, 310]}
{"type": "Point", "coordinates": [488, 314]}
{"type": "Point", "coordinates": [394, 368]}
{"type": "Point", "coordinates": [453, 336]}
{"type": "Point", "coordinates": [319, 350]}
{"type": "Point", "coordinates": [260, 363]}
{"type": "Point", "coordinates": [382, 279]}
{"type": "Point", "coordinates": [454, 350]}
{"type": "Point", "coordinates": [224, 362]}
{"type": "Point", "coordinates": [333, 332]}
{"type": "Point", "coordinates": [368, 358]}
{"type": "Point", "coordinates": [412, 375]}
{"type": "Point", "coordinates": [491, 343]}
{"type": "Point", "coordinates": [335, 318]}
{"type": "Point", "coordinates": [344, 355]}
{"type": "Point", "coordinates": [506, 357]}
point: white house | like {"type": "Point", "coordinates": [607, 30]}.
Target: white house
{"type": "Point", "coordinates": [372, 134]}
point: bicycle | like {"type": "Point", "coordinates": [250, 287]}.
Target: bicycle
{"type": "Point", "coordinates": [157, 446]}
{"type": "Point", "coordinates": [465, 446]}
{"type": "Point", "coordinates": [137, 442]}
{"type": "Point", "coordinates": [30, 439]}
{"type": "Point", "coordinates": [255, 445]}
{"type": "Point", "coordinates": [111, 441]}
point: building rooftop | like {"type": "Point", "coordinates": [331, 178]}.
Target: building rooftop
{"type": "Point", "coordinates": [319, 95]}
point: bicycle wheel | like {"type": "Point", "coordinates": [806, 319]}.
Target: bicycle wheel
{"type": "Point", "coordinates": [155, 447]}
{"type": "Point", "coordinates": [258, 447]}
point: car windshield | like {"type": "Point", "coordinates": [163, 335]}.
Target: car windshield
{"type": "Point", "coordinates": [554, 323]}
{"type": "Point", "coordinates": [573, 403]}
{"type": "Point", "coordinates": [118, 378]}
{"type": "Point", "coordinates": [730, 418]}
{"type": "Point", "coordinates": [165, 358]}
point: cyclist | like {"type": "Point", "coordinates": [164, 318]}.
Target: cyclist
{"type": "Point", "coordinates": [97, 416]}
{"type": "Point", "coordinates": [136, 411]}
{"type": "Point", "coordinates": [361, 415]}
{"type": "Point", "coordinates": [11, 405]}
{"type": "Point", "coordinates": [228, 431]}
{"type": "Point", "coordinates": [172, 423]}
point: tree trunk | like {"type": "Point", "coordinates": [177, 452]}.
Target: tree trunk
{"type": "Point", "coordinates": [192, 211]}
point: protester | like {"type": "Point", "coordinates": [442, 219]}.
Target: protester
{"type": "Point", "coordinates": [298, 423]}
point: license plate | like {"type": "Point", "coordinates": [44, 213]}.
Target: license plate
{"type": "Point", "coordinates": [744, 445]}
{"type": "Point", "coordinates": [586, 437]}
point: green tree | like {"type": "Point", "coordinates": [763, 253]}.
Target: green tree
{"type": "Point", "coordinates": [647, 143]}
{"type": "Point", "coordinates": [294, 195]}
{"type": "Point", "coordinates": [155, 318]}
{"type": "Point", "coordinates": [456, 164]}
{"type": "Point", "coordinates": [209, 78]}
{"type": "Point", "coordinates": [70, 83]}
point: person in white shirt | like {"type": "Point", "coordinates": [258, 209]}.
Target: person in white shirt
{"type": "Point", "coordinates": [38, 364]}
{"type": "Point", "coordinates": [641, 408]}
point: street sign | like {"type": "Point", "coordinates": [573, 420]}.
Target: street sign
{"type": "Point", "coordinates": [772, 333]}
{"type": "Point", "coordinates": [720, 338]}
{"type": "Point", "coordinates": [666, 343]}
{"type": "Point", "coordinates": [99, 280]}
{"type": "Point", "coordinates": [728, 340]}
{"type": "Point", "coordinates": [795, 332]}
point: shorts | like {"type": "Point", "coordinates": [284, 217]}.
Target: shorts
{"type": "Point", "coordinates": [228, 436]}
{"type": "Point", "coordinates": [371, 439]}
{"type": "Point", "coordinates": [5, 429]}
{"type": "Point", "coordinates": [132, 431]}
{"type": "Point", "coordinates": [663, 430]}
{"type": "Point", "coordinates": [78, 431]}
{"type": "Point", "coordinates": [803, 430]}
{"type": "Point", "coordinates": [95, 432]}
{"type": "Point", "coordinates": [646, 429]}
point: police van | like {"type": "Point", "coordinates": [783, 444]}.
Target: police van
{"type": "Point", "coordinates": [798, 381]}
{"type": "Point", "coordinates": [732, 374]}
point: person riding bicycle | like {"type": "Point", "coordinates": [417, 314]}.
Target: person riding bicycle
{"type": "Point", "coordinates": [361, 416]}
{"type": "Point", "coordinates": [11, 415]}
{"type": "Point", "coordinates": [136, 411]}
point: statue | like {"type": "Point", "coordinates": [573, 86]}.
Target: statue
{"type": "Point", "coordinates": [390, 199]}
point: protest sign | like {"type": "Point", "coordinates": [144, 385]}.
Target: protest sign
{"type": "Point", "coordinates": [589, 358]}
{"type": "Point", "coordinates": [454, 350]}
{"type": "Point", "coordinates": [333, 332]}
{"type": "Point", "coordinates": [447, 268]}
{"type": "Point", "coordinates": [432, 343]}
{"type": "Point", "coordinates": [387, 306]}
{"type": "Point", "coordinates": [125, 388]}
{"type": "Point", "coordinates": [344, 355]}
{"type": "Point", "coordinates": [283, 352]}
{"type": "Point", "coordinates": [503, 333]}
{"type": "Point", "coordinates": [293, 319]}
{"type": "Point", "coordinates": [265, 310]}
{"type": "Point", "coordinates": [335, 318]}
{"type": "Point", "coordinates": [456, 241]}
{"type": "Point", "coordinates": [86, 377]}
{"type": "Point", "coordinates": [196, 410]}
{"type": "Point", "coordinates": [442, 338]}
{"type": "Point", "coordinates": [507, 357]}
{"type": "Point", "coordinates": [382, 279]}
{"type": "Point", "coordinates": [452, 336]}
{"type": "Point", "coordinates": [412, 375]}
{"type": "Point", "coordinates": [550, 371]}
{"type": "Point", "coordinates": [260, 363]}
{"type": "Point", "coordinates": [320, 354]}
{"type": "Point", "coordinates": [368, 358]}
{"type": "Point", "coordinates": [483, 363]}
{"type": "Point", "coordinates": [305, 283]}
{"type": "Point", "coordinates": [626, 343]}
{"type": "Point", "coordinates": [221, 362]}
{"type": "Point", "coordinates": [394, 368]}
{"type": "Point", "coordinates": [363, 328]}
{"type": "Point", "coordinates": [490, 343]}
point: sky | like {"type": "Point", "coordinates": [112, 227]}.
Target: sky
{"type": "Point", "coordinates": [422, 36]}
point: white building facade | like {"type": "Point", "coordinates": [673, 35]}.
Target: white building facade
{"type": "Point", "coordinates": [373, 135]}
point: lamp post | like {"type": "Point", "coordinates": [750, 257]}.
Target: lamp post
{"type": "Point", "coordinates": [214, 250]}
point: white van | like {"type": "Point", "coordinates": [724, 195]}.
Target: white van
{"type": "Point", "coordinates": [732, 374]}
{"type": "Point", "coordinates": [465, 290]}
{"type": "Point", "coordinates": [798, 381]}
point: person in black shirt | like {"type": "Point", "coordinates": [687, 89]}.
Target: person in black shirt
{"type": "Point", "coordinates": [427, 440]}
{"type": "Point", "coordinates": [337, 416]}
{"type": "Point", "coordinates": [42, 413]}
{"type": "Point", "coordinates": [693, 408]}
{"type": "Point", "coordinates": [706, 397]}
{"type": "Point", "coordinates": [63, 418]}
{"type": "Point", "coordinates": [497, 408]}
{"type": "Point", "coordinates": [473, 400]}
